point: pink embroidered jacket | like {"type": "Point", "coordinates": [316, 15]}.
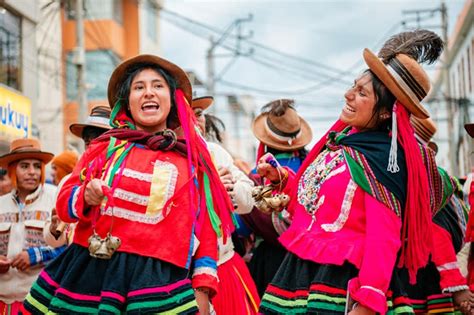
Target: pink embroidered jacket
{"type": "Point", "coordinates": [348, 225]}
{"type": "Point", "coordinates": [147, 180]}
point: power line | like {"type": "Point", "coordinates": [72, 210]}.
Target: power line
{"type": "Point", "coordinates": [255, 44]}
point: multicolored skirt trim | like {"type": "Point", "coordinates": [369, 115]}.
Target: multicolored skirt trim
{"type": "Point", "coordinates": [77, 283]}
{"type": "Point", "coordinates": [305, 287]}
{"type": "Point", "coordinates": [426, 296]}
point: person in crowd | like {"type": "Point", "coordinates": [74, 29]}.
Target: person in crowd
{"type": "Point", "coordinates": [237, 293]}
{"type": "Point", "coordinates": [469, 238]}
{"type": "Point", "coordinates": [5, 182]}
{"type": "Point", "coordinates": [24, 211]}
{"type": "Point", "coordinates": [352, 201]}
{"type": "Point", "coordinates": [148, 206]}
{"type": "Point", "coordinates": [95, 125]}
{"type": "Point", "coordinates": [58, 233]}
{"type": "Point", "coordinates": [63, 164]}
{"type": "Point", "coordinates": [282, 132]}
{"type": "Point", "coordinates": [440, 286]}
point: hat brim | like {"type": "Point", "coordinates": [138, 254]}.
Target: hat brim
{"type": "Point", "coordinates": [469, 129]}
{"type": "Point", "coordinates": [261, 133]}
{"type": "Point", "coordinates": [77, 129]}
{"type": "Point", "coordinates": [121, 71]}
{"type": "Point", "coordinates": [381, 71]}
{"type": "Point", "coordinates": [202, 102]}
{"type": "Point", "coordinates": [7, 159]}
{"type": "Point", "coordinates": [425, 127]}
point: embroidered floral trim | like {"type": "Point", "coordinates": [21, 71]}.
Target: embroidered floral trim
{"type": "Point", "coordinates": [131, 197]}
{"type": "Point", "coordinates": [4, 239]}
{"type": "Point", "coordinates": [38, 215]}
{"type": "Point", "coordinates": [132, 215]}
{"type": "Point", "coordinates": [345, 209]}
{"type": "Point", "coordinates": [314, 177]}
{"type": "Point", "coordinates": [9, 217]}
{"type": "Point", "coordinates": [448, 266]}
{"type": "Point", "coordinates": [137, 175]}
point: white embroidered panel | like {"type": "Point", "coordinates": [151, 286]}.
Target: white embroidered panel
{"type": "Point", "coordinates": [163, 184]}
{"type": "Point", "coordinates": [345, 209]}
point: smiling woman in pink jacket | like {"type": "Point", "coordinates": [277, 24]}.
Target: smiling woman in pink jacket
{"type": "Point", "coordinates": [353, 202]}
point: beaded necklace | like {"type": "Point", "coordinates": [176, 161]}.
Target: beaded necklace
{"type": "Point", "coordinates": [313, 178]}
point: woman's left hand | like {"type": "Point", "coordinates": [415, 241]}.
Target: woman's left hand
{"type": "Point", "coordinates": [464, 300]}
{"type": "Point", "coordinates": [265, 169]}
{"type": "Point", "coordinates": [361, 310]}
{"type": "Point", "coordinates": [202, 299]}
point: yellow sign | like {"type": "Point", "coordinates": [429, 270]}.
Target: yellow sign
{"type": "Point", "coordinates": [15, 115]}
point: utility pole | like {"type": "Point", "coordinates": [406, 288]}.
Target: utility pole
{"type": "Point", "coordinates": [80, 61]}
{"type": "Point", "coordinates": [424, 14]}
{"type": "Point", "coordinates": [210, 56]}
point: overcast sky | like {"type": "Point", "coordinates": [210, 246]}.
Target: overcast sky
{"type": "Point", "coordinates": [322, 39]}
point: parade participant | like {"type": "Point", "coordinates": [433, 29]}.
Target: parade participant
{"type": "Point", "coordinates": [24, 211]}
{"type": "Point", "coordinates": [237, 293]}
{"type": "Point", "coordinates": [62, 164]}
{"type": "Point", "coordinates": [282, 132]}
{"type": "Point", "coordinates": [148, 206]}
{"type": "Point", "coordinates": [95, 125]}
{"type": "Point", "coordinates": [470, 224]}
{"type": "Point", "coordinates": [352, 202]}
{"type": "Point", "coordinates": [58, 233]}
{"type": "Point", "coordinates": [440, 286]}
{"type": "Point", "coordinates": [5, 182]}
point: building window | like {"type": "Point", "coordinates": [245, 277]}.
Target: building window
{"type": "Point", "coordinates": [99, 67]}
{"type": "Point", "coordinates": [151, 19]}
{"type": "Point", "coordinates": [10, 48]}
{"type": "Point", "coordinates": [97, 10]}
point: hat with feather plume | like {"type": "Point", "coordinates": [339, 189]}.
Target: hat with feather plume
{"type": "Point", "coordinates": [398, 66]}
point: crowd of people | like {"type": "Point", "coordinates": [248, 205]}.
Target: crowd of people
{"type": "Point", "coordinates": [156, 216]}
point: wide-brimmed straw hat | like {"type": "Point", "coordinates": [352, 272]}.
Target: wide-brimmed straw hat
{"type": "Point", "coordinates": [98, 118]}
{"type": "Point", "coordinates": [424, 128]}
{"type": "Point", "coordinates": [21, 149]}
{"type": "Point", "coordinates": [404, 77]}
{"type": "Point", "coordinates": [120, 73]}
{"type": "Point", "coordinates": [470, 129]}
{"type": "Point", "coordinates": [202, 102]}
{"type": "Point", "coordinates": [286, 132]}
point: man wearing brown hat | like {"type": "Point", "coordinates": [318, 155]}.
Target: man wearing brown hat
{"type": "Point", "coordinates": [96, 124]}
{"type": "Point", "coordinates": [284, 134]}
{"type": "Point", "coordinates": [23, 214]}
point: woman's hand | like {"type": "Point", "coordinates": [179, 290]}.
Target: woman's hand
{"type": "Point", "coordinates": [464, 300]}
{"type": "Point", "coordinates": [361, 310]}
{"type": "Point", "coordinates": [202, 299]}
{"type": "Point", "coordinates": [273, 173]}
{"type": "Point", "coordinates": [93, 195]}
